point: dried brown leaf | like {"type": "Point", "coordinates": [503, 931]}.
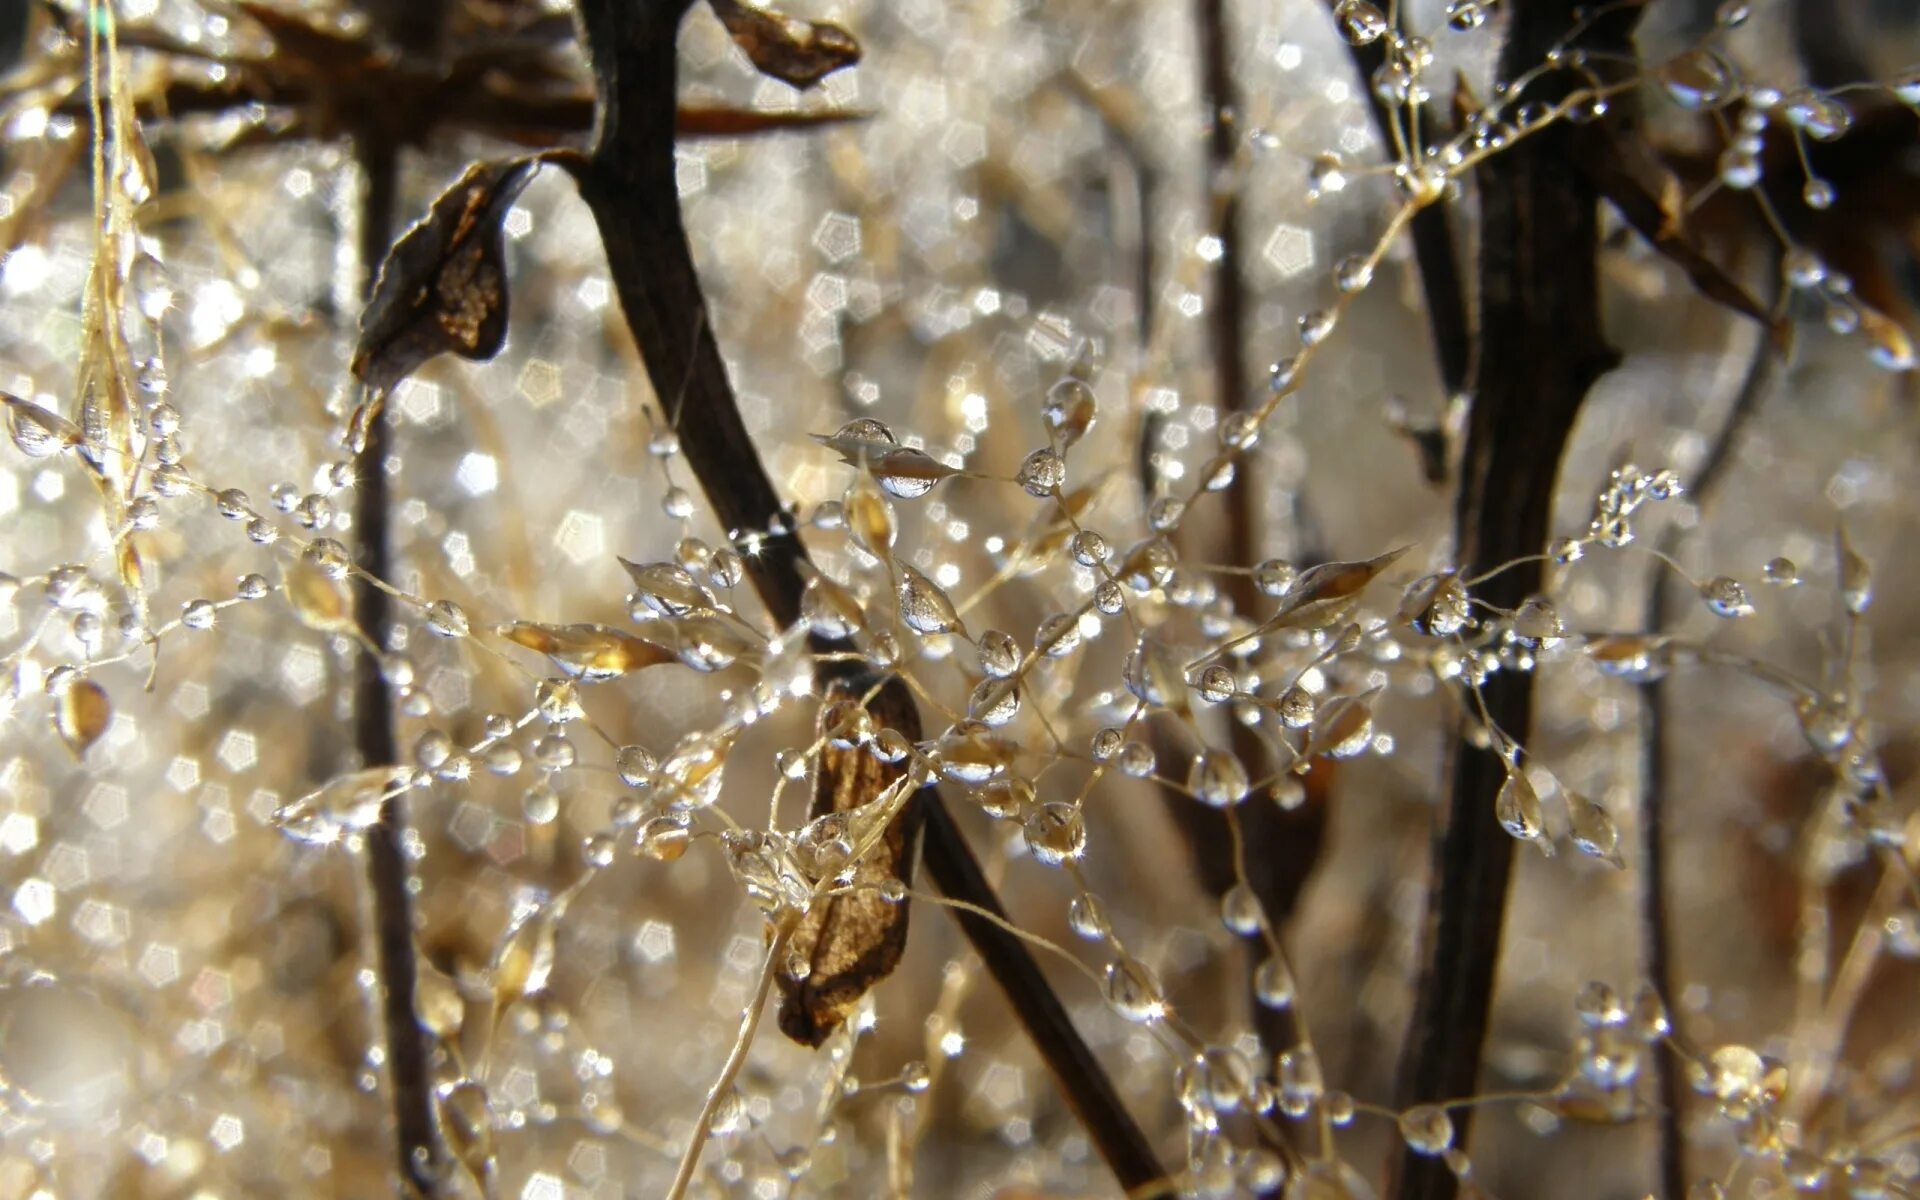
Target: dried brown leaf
{"type": "Point", "coordinates": [790, 49]}
{"type": "Point", "coordinates": [1651, 198]}
{"type": "Point", "coordinates": [851, 942]}
{"type": "Point", "coordinates": [444, 285]}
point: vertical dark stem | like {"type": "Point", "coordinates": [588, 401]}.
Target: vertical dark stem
{"type": "Point", "coordinates": [414, 28]}
{"type": "Point", "coordinates": [1541, 347]}
{"type": "Point", "coordinates": [388, 868]}
{"type": "Point", "coordinates": [627, 182]}
{"type": "Point", "coordinates": [1228, 302]}
{"type": "Point", "coordinates": [1656, 707]}
{"type": "Point", "coordinates": [1282, 846]}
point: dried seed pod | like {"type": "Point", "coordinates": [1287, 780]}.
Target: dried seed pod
{"type": "Point", "coordinates": [591, 653]}
{"type": "Point", "coordinates": [846, 944]}
{"type": "Point", "coordinates": [81, 714]}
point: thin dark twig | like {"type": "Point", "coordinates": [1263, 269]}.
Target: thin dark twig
{"type": "Point", "coordinates": [627, 182]}
{"type": "Point", "coordinates": [388, 866]}
{"type": "Point", "coordinates": [1656, 707]}
{"type": "Point", "coordinates": [377, 152]}
{"type": "Point", "coordinates": [1541, 347]}
{"type": "Point", "coordinates": [1083, 1081]}
{"type": "Point", "coordinates": [1282, 845]}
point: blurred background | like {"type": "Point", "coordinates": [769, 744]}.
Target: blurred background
{"type": "Point", "coordinates": [185, 991]}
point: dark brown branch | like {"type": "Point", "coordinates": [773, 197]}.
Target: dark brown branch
{"type": "Point", "coordinates": [408, 1049]}
{"type": "Point", "coordinates": [628, 184]}
{"type": "Point", "coordinates": [1541, 348]}
{"type": "Point", "coordinates": [388, 868]}
{"type": "Point", "coordinates": [1083, 1082]}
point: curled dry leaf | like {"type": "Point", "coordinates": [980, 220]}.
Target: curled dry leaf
{"type": "Point", "coordinates": [852, 941]}
{"type": "Point", "coordinates": [794, 51]}
{"type": "Point", "coordinates": [444, 286]}
{"type": "Point", "coordinates": [82, 714]}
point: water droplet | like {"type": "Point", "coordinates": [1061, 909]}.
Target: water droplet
{"type": "Point", "coordinates": [1326, 176]}
{"type": "Point", "coordinates": [667, 589]}
{"type": "Point", "coordinates": [1274, 576]}
{"type": "Point", "coordinates": [995, 701]}
{"type": "Point", "coordinates": [635, 765]}
{"type": "Point", "coordinates": [1647, 1018]}
{"type": "Point", "coordinates": [999, 653]}
{"type": "Point", "coordinates": [198, 614]}
{"type": "Point", "coordinates": [663, 839]}
{"type": "Point", "coordinates": [1043, 473]}
{"type": "Point", "coordinates": [1088, 548]}
{"type": "Point", "coordinates": [1217, 684]}
{"type": "Point", "coordinates": [1592, 829]}
{"type": "Point", "coordinates": [1317, 326]}
{"type": "Point", "coordinates": [1699, 78]}
{"type": "Point", "coordinates": [1218, 779]}
{"type": "Point", "coordinates": [1055, 833]}
{"type": "Point", "coordinates": [1726, 597]}
{"type": "Point", "coordinates": [1302, 1083]}
{"type": "Point", "coordinates": [1519, 811]}
{"type": "Point", "coordinates": [1466, 15]}
{"type": "Point", "coordinates": [540, 803]}
{"type": "Point", "coordinates": [1599, 1006]}
{"type": "Point", "coordinates": [1133, 991]}
{"type": "Point", "coordinates": [1273, 984]}
{"type": "Point", "coordinates": [1361, 22]}
{"type": "Point", "coordinates": [1437, 605]}
{"type": "Point", "coordinates": [1086, 918]}
{"type": "Point", "coordinates": [1068, 412]}
{"type": "Point", "coordinates": [1427, 1129]}
{"type": "Point", "coordinates": [1240, 910]}
{"type": "Point", "coordinates": [924, 606]}
{"type": "Point", "coordinates": [1353, 273]}
{"type": "Point", "coordinates": [1816, 114]}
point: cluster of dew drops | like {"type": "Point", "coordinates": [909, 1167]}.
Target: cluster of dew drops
{"type": "Point", "coordinates": [1305, 677]}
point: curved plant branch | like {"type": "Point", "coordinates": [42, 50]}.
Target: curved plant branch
{"type": "Point", "coordinates": [627, 181]}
